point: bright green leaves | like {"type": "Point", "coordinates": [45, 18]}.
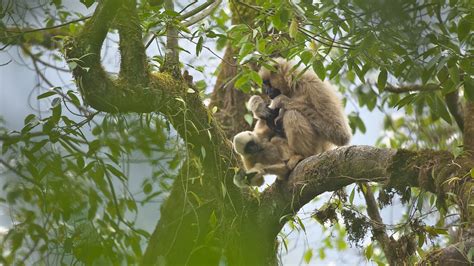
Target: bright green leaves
{"type": "Point", "coordinates": [356, 123]}
{"type": "Point", "coordinates": [293, 30]}
{"type": "Point", "coordinates": [246, 79]}
{"type": "Point", "coordinates": [319, 69]}
{"type": "Point", "coordinates": [199, 45]}
{"type": "Point", "coordinates": [281, 18]}
{"type": "Point", "coordinates": [308, 255]}
{"type": "Point", "coordinates": [369, 251]}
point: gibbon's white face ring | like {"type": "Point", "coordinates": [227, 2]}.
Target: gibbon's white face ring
{"type": "Point", "coordinates": [242, 141]}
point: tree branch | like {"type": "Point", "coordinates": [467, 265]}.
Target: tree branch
{"type": "Point", "coordinates": [171, 63]}
{"type": "Point", "coordinates": [378, 227]}
{"type": "Point", "coordinates": [39, 36]}
{"type": "Point", "coordinates": [198, 9]}
{"type": "Point", "coordinates": [337, 168]}
{"type": "Point", "coordinates": [469, 128]}
{"type": "Point", "coordinates": [203, 14]}
{"type": "Point", "coordinates": [410, 88]}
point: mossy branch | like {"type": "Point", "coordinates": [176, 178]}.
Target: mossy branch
{"type": "Point", "coordinates": [335, 169]}
{"type": "Point", "coordinates": [137, 90]}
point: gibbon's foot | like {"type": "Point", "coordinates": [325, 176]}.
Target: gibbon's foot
{"type": "Point", "coordinates": [246, 179]}
{"type": "Point", "coordinates": [293, 161]}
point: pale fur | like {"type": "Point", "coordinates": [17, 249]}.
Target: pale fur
{"type": "Point", "coordinates": [274, 157]}
{"type": "Point", "coordinates": [313, 117]}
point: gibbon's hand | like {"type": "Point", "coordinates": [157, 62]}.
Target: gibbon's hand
{"type": "Point", "coordinates": [248, 178]}
{"type": "Point", "coordinates": [259, 107]}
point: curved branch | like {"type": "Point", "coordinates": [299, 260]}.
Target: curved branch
{"type": "Point", "coordinates": [203, 14]}
{"type": "Point", "coordinates": [197, 9]}
{"type": "Point", "coordinates": [337, 168]}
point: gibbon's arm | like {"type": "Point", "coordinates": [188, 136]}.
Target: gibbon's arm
{"type": "Point", "coordinates": [326, 119]}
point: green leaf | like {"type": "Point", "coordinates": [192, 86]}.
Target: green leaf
{"type": "Point", "coordinates": [284, 16]}
{"type": "Point", "coordinates": [147, 188]}
{"type": "Point", "coordinates": [351, 197]}
{"type": "Point", "coordinates": [199, 45]}
{"type": "Point", "coordinates": [369, 251]}
{"type": "Point", "coordinates": [318, 67]}
{"type": "Point", "coordinates": [469, 88]}
{"type": "Point", "coordinates": [335, 67]}
{"type": "Point", "coordinates": [256, 78]}
{"type": "Point", "coordinates": [308, 255]}
{"type": "Point", "coordinates": [421, 239]}
{"type": "Point", "coordinates": [87, 3]}
{"type": "Point", "coordinates": [472, 172]}
{"type": "Point", "coordinates": [382, 80]}
{"type": "Point", "coordinates": [29, 118]}
{"type": "Point", "coordinates": [464, 27]}
{"type": "Point", "coordinates": [46, 95]}
{"type": "Point", "coordinates": [406, 100]}
{"type": "Point", "coordinates": [73, 98]}
{"type": "Point", "coordinates": [116, 172]}
{"type": "Point", "coordinates": [246, 49]}
{"type": "Point", "coordinates": [306, 57]}
{"type": "Point", "coordinates": [438, 107]}
{"type": "Point", "coordinates": [261, 45]}
{"type": "Point", "coordinates": [300, 223]}
{"type": "Point", "coordinates": [281, 18]}
{"type": "Point", "coordinates": [213, 220]}
{"type": "Point", "coordinates": [454, 74]}
{"type": "Point", "coordinates": [293, 31]}
{"type": "Point", "coordinates": [249, 119]}
{"type": "Point", "coordinates": [242, 82]}
{"type": "Point", "coordinates": [322, 254]}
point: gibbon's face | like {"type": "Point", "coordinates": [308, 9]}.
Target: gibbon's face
{"type": "Point", "coordinates": [269, 90]}
{"type": "Point", "coordinates": [276, 83]}
{"type": "Point", "coordinates": [246, 142]}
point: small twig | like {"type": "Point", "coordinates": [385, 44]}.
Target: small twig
{"type": "Point", "coordinates": [28, 52]}
{"type": "Point", "coordinates": [48, 28]}
{"type": "Point", "coordinates": [8, 62]}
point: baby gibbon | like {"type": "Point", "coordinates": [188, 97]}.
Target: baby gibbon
{"type": "Point", "coordinates": [260, 156]}
{"type": "Point", "coordinates": [312, 115]}
{"type": "Point", "coordinates": [263, 150]}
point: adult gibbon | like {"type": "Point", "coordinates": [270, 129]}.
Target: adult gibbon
{"type": "Point", "coordinates": [263, 150]}
{"type": "Point", "coordinates": [311, 113]}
